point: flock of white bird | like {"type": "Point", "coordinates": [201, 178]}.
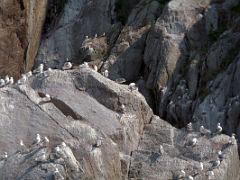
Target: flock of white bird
{"type": "Point", "coordinates": [217, 162]}
{"type": "Point", "coordinates": [39, 70]}
{"type": "Point", "coordinates": [42, 157]}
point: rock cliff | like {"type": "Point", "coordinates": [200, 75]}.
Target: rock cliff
{"type": "Point", "coordinates": [21, 25]}
{"type": "Point", "coordinates": [157, 99]}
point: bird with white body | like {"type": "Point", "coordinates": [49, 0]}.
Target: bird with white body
{"type": "Point", "coordinates": [204, 131]}
{"type": "Point", "coordinates": [182, 174]}
{"type": "Point", "coordinates": [190, 178]}
{"type": "Point", "coordinates": [193, 141]}
{"type": "Point", "coordinates": [2, 83]}
{"type": "Point", "coordinates": [123, 108]}
{"type": "Point", "coordinates": [63, 144]}
{"type": "Point", "coordinates": [39, 69]}
{"type": "Point", "coordinates": [11, 81]}
{"type": "Point", "coordinates": [42, 157]}
{"type": "Point", "coordinates": [219, 128]}
{"type": "Point", "coordinates": [7, 79]}
{"type": "Point", "coordinates": [161, 150]}
{"type": "Point", "coordinates": [216, 163]}
{"type": "Point", "coordinates": [84, 65]}
{"type": "Point", "coordinates": [29, 74]}
{"type": "Point", "coordinates": [38, 138]}
{"type": "Point", "coordinates": [201, 166]}
{"type": "Point", "coordinates": [132, 87]}
{"type": "Point", "coordinates": [57, 175]}
{"type": "Point", "coordinates": [46, 140]}
{"type": "Point", "coordinates": [233, 140]}
{"type": "Point", "coordinates": [210, 175]}
{"type": "Point", "coordinates": [5, 155]}
{"type": "Point", "coordinates": [189, 127]}
{"type": "Point", "coordinates": [220, 155]}
{"type": "Point", "coordinates": [95, 68]}
{"type": "Point", "coordinates": [105, 73]}
{"type": "Point", "coordinates": [67, 65]}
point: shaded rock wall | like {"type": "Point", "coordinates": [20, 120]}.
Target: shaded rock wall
{"type": "Point", "coordinates": [21, 28]}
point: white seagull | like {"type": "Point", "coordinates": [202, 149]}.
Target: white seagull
{"type": "Point", "coordinates": [39, 69]}
{"type": "Point", "coordinates": [232, 140]}
{"type": "Point", "coordinates": [2, 82]}
{"type": "Point", "coordinates": [132, 87]}
{"type": "Point", "coordinates": [193, 141]}
{"type": "Point", "coordinates": [11, 81]}
{"type": "Point", "coordinates": [38, 139]}
{"type": "Point", "coordinates": [7, 79]}
{"type": "Point", "coordinates": [219, 128]}
{"type": "Point", "coordinates": [105, 73]}
{"type": "Point", "coordinates": [67, 66]}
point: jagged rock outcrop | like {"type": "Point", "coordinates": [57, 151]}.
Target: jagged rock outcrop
{"type": "Point", "coordinates": [84, 111]}
{"type": "Point", "coordinates": [183, 56]}
{"type": "Point", "coordinates": [151, 161]}
{"type": "Point", "coordinates": [77, 20]}
{"type": "Point", "coordinates": [21, 27]}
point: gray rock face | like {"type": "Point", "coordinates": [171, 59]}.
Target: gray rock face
{"type": "Point", "coordinates": [93, 127]}
{"type": "Point", "coordinates": [76, 22]}
{"type": "Point", "coordinates": [126, 58]}
{"type": "Point", "coordinates": [183, 56]}
{"type": "Point", "coordinates": [152, 162]}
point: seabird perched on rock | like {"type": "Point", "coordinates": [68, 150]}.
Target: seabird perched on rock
{"type": "Point", "coordinates": [29, 74]}
{"type": "Point", "coordinates": [23, 79]}
{"type": "Point", "coordinates": [132, 87]}
{"type": "Point", "coordinates": [98, 144]}
{"type": "Point", "coordinates": [39, 69]}
{"type": "Point", "coordinates": [23, 148]}
{"type": "Point", "coordinates": [161, 150]}
{"type": "Point", "coordinates": [204, 131]}
{"type": "Point", "coordinates": [90, 50]}
{"type": "Point", "coordinates": [120, 80]}
{"type": "Point", "coordinates": [189, 127]}
{"type": "Point", "coordinates": [2, 82]}
{"type": "Point", "coordinates": [7, 79]}
{"type": "Point", "coordinates": [41, 157]}
{"type": "Point", "coordinates": [220, 155]}
{"type": "Point", "coordinates": [21, 143]}
{"type": "Point", "coordinates": [193, 142]}
{"type": "Point", "coordinates": [84, 65]}
{"type": "Point", "coordinates": [63, 144]}
{"type": "Point", "coordinates": [182, 174]}
{"type": "Point", "coordinates": [105, 73]}
{"type": "Point", "coordinates": [123, 108]}
{"type": "Point", "coordinates": [46, 140]}
{"type": "Point", "coordinates": [11, 81]}
{"type": "Point", "coordinates": [47, 73]}
{"type": "Point", "coordinates": [233, 140]}
{"type": "Point", "coordinates": [201, 166]}
{"type": "Point", "coordinates": [210, 174]}
{"type": "Point", "coordinates": [5, 155]}
{"type": "Point", "coordinates": [219, 128]}
{"type": "Point", "coordinates": [95, 68]}
{"type": "Point", "coordinates": [199, 16]}
{"type": "Point", "coordinates": [86, 37]}
{"type": "Point", "coordinates": [38, 139]}
{"type": "Point", "coordinates": [67, 66]}
{"type": "Point", "coordinates": [57, 175]}
{"type": "Point", "coordinates": [216, 163]}
{"type": "Point", "coordinates": [95, 36]}
{"type": "Point", "coordinates": [104, 34]}
{"type": "Point", "coordinates": [57, 149]}
{"type": "Point", "coordinates": [190, 178]}
{"type": "Point", "coordinates": [47, 98]}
